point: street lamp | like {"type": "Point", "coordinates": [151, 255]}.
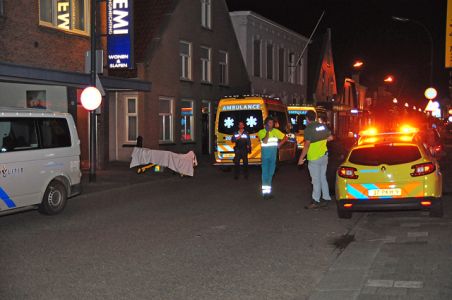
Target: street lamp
{"type": "Point", "coordinates": [406, 20]}
{"type": "Point", "coordinates": [430, 93]}
{"type": "Point", "coordinates": [358, 64]}
{"type": "Point", "coordinates": [406, 104]}
{"type": "Point", "coordinates": [395, 101]}
{"type": "Point", "coordinates": [389, 79]}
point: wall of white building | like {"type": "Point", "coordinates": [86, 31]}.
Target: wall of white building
{"type": "Point", "coordinates": [281, 80]}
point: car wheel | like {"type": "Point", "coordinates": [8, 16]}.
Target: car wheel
{"type": "Point", "coordinates": [436, 210]}
{"type": "Point", "coordinates": [54, 200]}
{"type": "Point", "coordinates": [343, 213]}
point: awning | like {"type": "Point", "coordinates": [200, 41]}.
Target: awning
{"type": "Point", "coordinates": [32, 75]}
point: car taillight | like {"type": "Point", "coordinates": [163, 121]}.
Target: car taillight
{"type": "Point", "coordinates": [438, 148]}
{"type": "Point", "coordinates": [423, 169]}
{"type": "Point", "coordinates": [347, 172]}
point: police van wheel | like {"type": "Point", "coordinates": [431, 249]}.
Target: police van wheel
{"type": "Point", "coordinates": [54, 200]}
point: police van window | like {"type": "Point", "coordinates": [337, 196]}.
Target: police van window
{"type": "Point", "coordinates": [17, 134]}
{"type": "Point", "coordinates": [54, 133]}
{"type": "Point", "coordinates": [384, 154]}
{"type": "Point", "coordinates": [229, 120]}
{"type": "Point", "coordinates": [280, 120]}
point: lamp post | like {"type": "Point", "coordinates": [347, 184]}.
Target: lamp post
{"type": "Point", "coordinates": [430, 36]}
{"type": "Point", "coordinates": [92, 114]}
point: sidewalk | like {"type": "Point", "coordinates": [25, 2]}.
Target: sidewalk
{"type": "Point", "coordinates": [395, 255]}
{"type": "Point", "coordinates": [118, 175]}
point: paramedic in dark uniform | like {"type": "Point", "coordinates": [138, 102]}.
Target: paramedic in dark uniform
{"type": "Point", "coordinates": [242, 141]}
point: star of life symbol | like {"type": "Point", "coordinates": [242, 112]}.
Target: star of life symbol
{"type": "Point", "coordinates": [251, 121]}
{"type": "Point", "coordinates": [229, 122]}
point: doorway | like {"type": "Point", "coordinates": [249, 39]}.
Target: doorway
{"type": "Point", "coordinates": [206, 134]}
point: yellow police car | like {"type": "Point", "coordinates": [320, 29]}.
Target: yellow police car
{"type": "Point", "coordinates": [391, 170]}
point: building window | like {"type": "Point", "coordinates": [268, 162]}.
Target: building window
{"type": "Point", "coordinates": [300, 76]}
{"type": "Point", "coordinates": [132, 119]}
{"type": "Point", "coordinates": [67, 15]}
{"type": "Point", "coordinates": [206, 64]}
{"type": "Point", "coordinates": [166, 120]}
{"type": "Point", "coordinates": [185, 57]}
{"type": "Point", "coordinates": [206, 13]}
{"type": "Point", "coordinates": [282, 64]}
{"type": "Point", "coordinates": [187, 121]}
{"type": "Point", "coordinates": [257, 58]}
{"type": "Point", "coordinates": [269, 61]}
{"type": "Point", "coordinates": [224, 68]}
{"type": "Point", "coordinates": [292, 68]}
{"type": "Point", "coordinates": [2, 8]}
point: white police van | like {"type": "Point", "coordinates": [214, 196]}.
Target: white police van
{"type": "Point", "coordinates": [39, 160]}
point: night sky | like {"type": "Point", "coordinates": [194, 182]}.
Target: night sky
{"type": "Point", "coordinates": [364, 30]}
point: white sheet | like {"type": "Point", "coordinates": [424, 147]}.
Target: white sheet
{"type": "Point", "coordinates": [180, 163]}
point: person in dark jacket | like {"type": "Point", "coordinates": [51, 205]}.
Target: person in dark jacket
{"type": "Point", "coordinates": [242, 141]}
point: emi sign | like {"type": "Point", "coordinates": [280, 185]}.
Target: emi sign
{"type": "Point", "coordinates": [120, 34]}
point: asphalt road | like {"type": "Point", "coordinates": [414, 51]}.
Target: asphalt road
{"type": "Point", "coordinates": [212, 237]}
{"type": "Point", "coordinates": [209, 237]}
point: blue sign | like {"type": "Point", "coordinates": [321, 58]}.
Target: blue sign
{"type": "Point", "coordinates": [120, 34]}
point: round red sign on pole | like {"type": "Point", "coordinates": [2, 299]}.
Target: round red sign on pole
{"type": "Point", "coordinates": [91, 98]}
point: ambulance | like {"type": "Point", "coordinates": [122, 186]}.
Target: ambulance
{"type": "Point", "coordinates": [297, 115]}
{"type": "Point", "coordinates": [252, 110]}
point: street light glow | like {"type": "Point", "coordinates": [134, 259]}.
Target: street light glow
{"type": "Point", "coordinates": [389, 79]}
{"type": "Point", "coordinates": [358, 64]}
{"type": "Point", "coordinates": [406, 104]}
{"type": "Point", "coordinates": [430, 93]}
{"type": "Point", "coordinates": [395, 100]}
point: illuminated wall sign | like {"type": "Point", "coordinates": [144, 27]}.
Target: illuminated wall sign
{"type": "Point", "coordinates": [120, 34]}
{"type": "Point", "coordinates": [63, 9]}
{"type": "Point", "coordinates": [242, 107]}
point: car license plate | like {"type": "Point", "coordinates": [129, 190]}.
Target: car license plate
{"type": "Point", "coordinates": [385, 192]}
{"type": "Point", "coordinates": [228, 155]}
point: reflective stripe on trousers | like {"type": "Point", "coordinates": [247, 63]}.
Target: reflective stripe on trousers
{"type": "Point", "coordinates": [268, 168]}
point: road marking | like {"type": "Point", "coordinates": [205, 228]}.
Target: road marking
{"type": "Point", "coordinates": [409, 284]}
{"type": "Point", "coordinates": [380, 283]}
{"type": "Point", "coordinates": [410, 224]}
{"type": "Point", "coordinates": [383, 283]}
{"type": "Point", "coordinates": [418, 234]}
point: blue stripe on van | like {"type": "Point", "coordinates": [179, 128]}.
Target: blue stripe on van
{"type": "Point", "coordinates": [4, 196]}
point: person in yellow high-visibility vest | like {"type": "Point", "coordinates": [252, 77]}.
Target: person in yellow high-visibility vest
{"type": "Point", "coordinates": [316, 136]}
{"type": "Point", "coordinates": [271, 139]}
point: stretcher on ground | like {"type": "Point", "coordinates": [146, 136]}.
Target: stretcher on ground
{"type": "Point", "coordinates": [145, 159]}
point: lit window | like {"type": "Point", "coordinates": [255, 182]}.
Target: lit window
{"type": "Point", "coordinates": [185, 57]}
{"type": "Point", "coordinates": [166, 120]}
{"type": "Point", "coordinates": [132, 119]}
{"type": "Point", "coordinates": [187, 121]}
{"type": "Point", "coordinates": [257, 58]}
{"type": "Point", "coordinates": [206, 62]}
{"type": "Point", "coordinates": [269, 61]}
{"type": "Point", "coordinates": [206, 13]}
{"type": "Point", "coordinates": [224, 68]}
{"type": "Point", "coordinates": [67, 15]}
